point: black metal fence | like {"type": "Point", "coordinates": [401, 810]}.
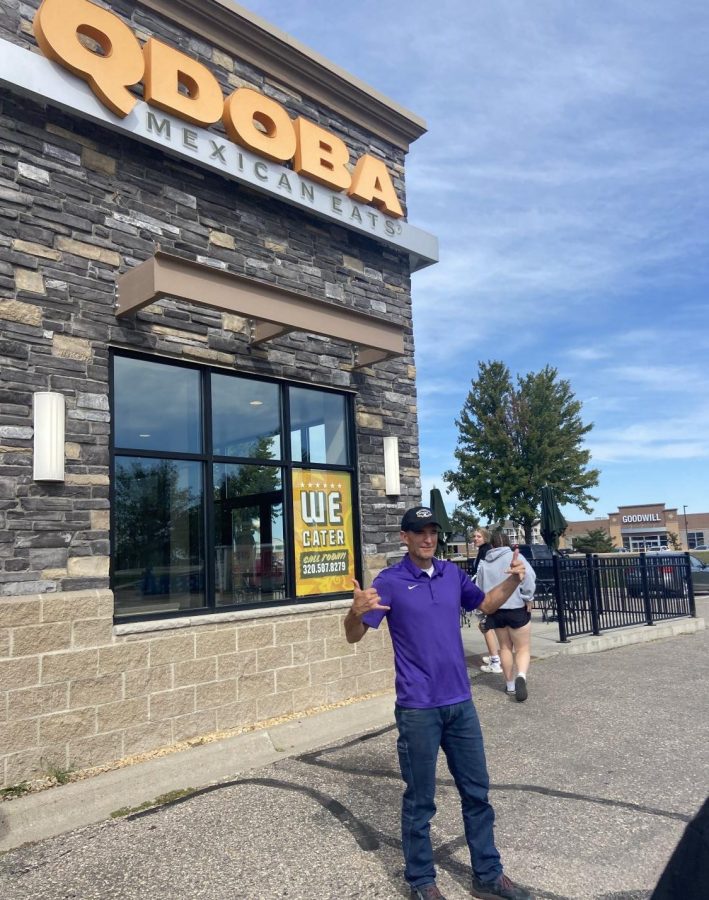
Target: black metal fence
{"type": "Point", "coordinates": [591, 594]}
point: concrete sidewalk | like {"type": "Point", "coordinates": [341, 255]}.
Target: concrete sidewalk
{"type": "Point", "coordinates": [545, 635]}
{"type": "Point", "coordinates": [593, 781]}
{"type": "Point", "coordinates": [59, 809]}
{"type": "Point", "coordinates": [65, 807]}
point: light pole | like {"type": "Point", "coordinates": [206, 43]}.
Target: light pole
{"type": "Point", "coordinates": [686, 530]}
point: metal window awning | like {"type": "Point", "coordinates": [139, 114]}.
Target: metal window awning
{"type": "Point", "coordinates": [272, 311]}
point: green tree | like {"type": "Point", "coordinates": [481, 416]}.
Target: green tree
{"type": "Point", "coordinates": [464, 520]}
{"type": "Point", "coordinates": [673, 541]}
{"type": "Point", "coordinates": [158, 516]}
{"type": "Point", "coordinates": [513, 440]}
{"type": "Point", "coordinates": [596, 540]}
{"type": "Point", "coordinates": [240, 489]}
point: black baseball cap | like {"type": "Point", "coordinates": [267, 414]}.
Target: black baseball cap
{"type": "Point", "coordinates": [418, 518]}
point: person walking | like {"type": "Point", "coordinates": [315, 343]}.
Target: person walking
{"type": "Point", "coordinates": [481, 542]}
{"type": "Point", "coordinates": [421, 598]}
{"type": "Point", "coordinates": [513, 620]}
{"type": "Point", "coordinates": [491, 662]}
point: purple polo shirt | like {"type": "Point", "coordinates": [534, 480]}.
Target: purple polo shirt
{"type": "Point", "coordinates": [424, 624]}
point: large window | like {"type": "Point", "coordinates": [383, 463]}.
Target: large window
{"type": "Point", "coordinates": [642, 542]}
{"type": "Point", "coordinates": [248, 546]}
{"type": "Point", "coordinates": [695, 539]}
{"type": "Point", "coordinates": [158, 535]}
{"type": "Point", "coordinates": [227, 490]}
{"type": "Point", "coordinates": [318, 427]}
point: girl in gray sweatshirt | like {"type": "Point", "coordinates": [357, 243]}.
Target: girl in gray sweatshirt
{"type": "Point", "coordinates": [513, 620]}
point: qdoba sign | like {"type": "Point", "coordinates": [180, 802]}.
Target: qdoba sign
{"type": "Point", "coordinates": [182, 99]}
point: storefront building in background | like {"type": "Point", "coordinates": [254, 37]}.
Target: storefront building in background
{"type": "Point", "coordinates": [208, 419]}
{"type": "Point", "coordinates": [647, 526]}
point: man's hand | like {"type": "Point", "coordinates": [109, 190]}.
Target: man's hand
{"type": "Point", "coordinates": [517, 566]}
{"type": "Point", "coordinates": [364, 600]}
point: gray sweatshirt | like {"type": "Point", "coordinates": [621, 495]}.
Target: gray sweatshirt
{"type": "Point", "coordinates": [491, 572]}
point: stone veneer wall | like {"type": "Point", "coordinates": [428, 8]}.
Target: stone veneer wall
{"type": "Point", "coordinates": [76, 693]}
{"type": "Point", "coordinates": [79, 206]}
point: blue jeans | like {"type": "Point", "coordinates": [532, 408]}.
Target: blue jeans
{"type": "Point", "coordinates": [457, 730]}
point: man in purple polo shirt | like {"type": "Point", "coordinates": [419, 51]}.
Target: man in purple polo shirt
{"type": "Point", "coordinates": [421, 598]}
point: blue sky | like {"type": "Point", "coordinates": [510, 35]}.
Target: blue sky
{"type": "Point", "coordinates": [565, 173]}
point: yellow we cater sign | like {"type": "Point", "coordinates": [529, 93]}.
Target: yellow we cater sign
{"type": "Point", "coordinates": [323, 532]}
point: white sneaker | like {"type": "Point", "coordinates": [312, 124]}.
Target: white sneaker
{"type": "Point", "coordinates": [486, 660]}
{"type": "Point", "coordinates": [492, 668]}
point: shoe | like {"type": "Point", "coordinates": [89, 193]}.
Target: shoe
{"type": "Point", "coordinates": [426, 892]}
{"type": "Point", "coordinates": [486, 660]}
{"type": "Point", "coordinates": [491, 668]}
{"type": "Point", "coordinates": [520, 688]}
{"type": "Point", "coordinates": [501, 887]}
{"type": "Point", "coordinates": [511, 693]}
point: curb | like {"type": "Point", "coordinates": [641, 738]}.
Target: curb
{"type": "Point", "coordinates": [62, 808]}
{"type": "Point", "coordinates": [609, 640]}
{"type": "Point", "coordinates": [612, 639]}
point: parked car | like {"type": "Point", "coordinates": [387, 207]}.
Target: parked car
{"type": "Point", "coordinates": [700, 575]}
{"type": "Point", "coordinates": [534, 551]}
{"type": "Point", "coordinates": [539, 556]}
{"type": "Point", "coordinates": [666, 574]}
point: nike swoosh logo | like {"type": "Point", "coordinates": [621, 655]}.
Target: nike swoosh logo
{"type": "Point", "coordinates": [412, 586]}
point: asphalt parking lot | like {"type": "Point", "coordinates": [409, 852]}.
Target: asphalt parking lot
{"type": "Point", "coordinates": [594, 779]}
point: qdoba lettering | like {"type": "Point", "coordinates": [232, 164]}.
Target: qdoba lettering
{"type": "Point", "coordinates": [179, 85]}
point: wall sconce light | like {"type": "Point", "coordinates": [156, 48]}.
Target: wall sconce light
{"type": "Point", "coordinates": [392, 483]}
{"type": "Point", "coordinates": [49, 412]}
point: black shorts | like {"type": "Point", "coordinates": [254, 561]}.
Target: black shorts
{"type": "Point", "coordinates": [510, 618]}
{"type": "Point", "coordinates": [483, 622]}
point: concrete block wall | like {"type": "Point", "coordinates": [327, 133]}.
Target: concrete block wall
{"type": "Point", "coordinates": [77, 692]}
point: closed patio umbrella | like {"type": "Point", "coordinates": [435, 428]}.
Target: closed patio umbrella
{"type": "Point", "coordinates": [439, 511]}
{"type": "Point", "coordinates": [552, 523]}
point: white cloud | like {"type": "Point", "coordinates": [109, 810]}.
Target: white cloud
{"type": "Point", "coordinates": [586, 354]}
{"type": "Point", "coordinates": [665, 378]}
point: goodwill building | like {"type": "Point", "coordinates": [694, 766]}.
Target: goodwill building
{"type": "Point", "coordinates": [207, 399]}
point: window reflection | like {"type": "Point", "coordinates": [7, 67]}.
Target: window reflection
{"type": "Point", "coordinates": [246, 418]}
{"type": "Point", "coordinates": [176, 547]}
{"type": "Point", "coordinates": [318, 432]}
{"type": "Point", "coordinates": [249, 548]}
{"type": "Point", "coordinates": [157, 406]}
{"type": "Point", "coordinates": [159, 535]}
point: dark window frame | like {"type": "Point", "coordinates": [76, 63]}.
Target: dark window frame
{"type": "Point", "coordinates": [695, 539]}
{"type": "Point", "coordinates": [208, 459]}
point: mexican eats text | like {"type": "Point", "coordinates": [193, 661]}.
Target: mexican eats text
{"type": "Point", "coordinates": [181, 86]}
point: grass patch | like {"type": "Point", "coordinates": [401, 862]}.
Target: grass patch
{"type": "Point", "coordinates": [59, 774]}
{"type": "Point", "coordinates": [15, 790]}
{"type": "Point", "coordinates": [162, 800]}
